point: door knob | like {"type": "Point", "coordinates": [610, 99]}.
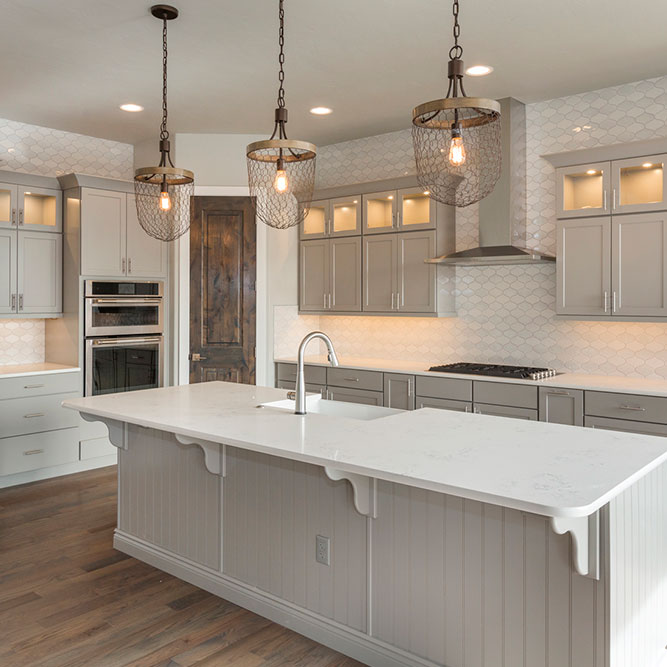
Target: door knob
{"type": "Point", "coordinates": [195, 356]}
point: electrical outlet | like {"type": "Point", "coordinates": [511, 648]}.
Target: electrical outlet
{"type": "Point", "coordinates": [323, 550]}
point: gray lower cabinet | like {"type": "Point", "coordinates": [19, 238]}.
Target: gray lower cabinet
{"type": "Point", "coordinates": [443, 404]}
{"type": "Point", "coordinates": [505, 411]}
{"type": "Point", "coordinates": [626, 425]}
{"type": "Point", "coordinates": [505, 393]}
{"type": "Point", "coordinates": [399, 391]}
{"type": "Point", "coordinates": [310, 388]}
{"type": "Point", "coordinates": [364, 396]}
{"type": "Point", "coordinates": [286, 372]}
{"type": "Point", "coordinates": [354, 379]}
{"type": "Point", "coordinates": [561, 406]}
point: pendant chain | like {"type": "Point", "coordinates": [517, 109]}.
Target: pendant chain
{"type": "Point", "coordinates": [164, 133]}
{"type": "Point", "coordinates": [456, 51]}
{"type": "Point", "coordinates": [281, 56]}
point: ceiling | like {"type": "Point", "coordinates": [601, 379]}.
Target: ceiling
{"type": "Point", "coordinates": [70, 64]}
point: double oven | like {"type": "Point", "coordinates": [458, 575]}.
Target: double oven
{"type": "Point", "coordinates": [123, 328]}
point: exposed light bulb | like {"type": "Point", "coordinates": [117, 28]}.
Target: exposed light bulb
{"type": "Point", "coordinates": [457, 151]}
{"type": "Point", "coordinates": [165, 200]}
{"type": "Point", "coordinates": [280, 182]}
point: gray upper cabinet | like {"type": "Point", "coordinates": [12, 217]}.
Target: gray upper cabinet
{"type": "Point", "coordinates": [146, 256]}
{"type": "Point", "coordinates": [315, 224]}
{"type": "Point", "coordinates": [39, 281]}
{"type": "Point", "coordinates": [380, 212]}
{"type": "Point", "coordinates": [40, 209]}
{"type": "Point", "coordinates": [380, 273]}
{"type": "Point", "coordinates": [407, 209]}
{"type": "Point", "coordinates": [639, 265]}
{"type": "Point", "coordinates": [639, 184]}
{"type": "Point", "coordinates": [399, 391]}
{"type": "Point", "coordinates": [314, 275]}
{"type": "Point", "coordinates": [329, 218]}
{"type": "Point", "coordinates": [345, 280]}
{"type": "Point", "coordinates": [8, 205]}
{"type": "Point", "coordinates": [8, 271]}
{"type": "Point", "coordinates": [583, 190]}
{"type": "Point", "coordinates": [583, 266]}
{"type": "Point", "coordinates": [561, 406]}
{"type": "Point", "coordinates": [415, 280]}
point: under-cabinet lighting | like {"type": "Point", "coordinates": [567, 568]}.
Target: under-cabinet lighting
{"type": "Point", "coordinates": [390, 197]}
{"type": "Point", "coordinates": [592, 172]}
{"type": "Point", "coordinates": [647, 164]}
{"type": "Point", "coordinates": [427, 192]}
{"type": "Point", "coordinates": [132, 108]}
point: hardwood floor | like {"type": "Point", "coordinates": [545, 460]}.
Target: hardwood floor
{"type": "Point", "coordinates": [67, 597]}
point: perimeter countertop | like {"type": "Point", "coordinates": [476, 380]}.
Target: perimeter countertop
{"type": "Point", "coordinates": [549, 469]}
{"type": "Point", "coordinates": [44, 368]}
{"type": "Point", "coordinates": [619, 384]}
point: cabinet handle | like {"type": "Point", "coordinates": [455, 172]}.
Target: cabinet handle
{"type": "Point", "coordinates": [351, 379]}
{"type": "Point", "coordinates": [393, 299]}
{"type": "Point", "coordinates": [30, 452]}
{"type": "Point", "coordinates": [605, 301]}
{"type": "Point", "coordinates": [13, 216]}
{"type": "Point", "coordinates": [129, 265]}
{"type": "Point", "coordinates": [329, 301]}
{"type": "Point", "coordinates": [398, 300]}
{"type": "Point", "coordinates": [20, 217]}
{"type": "Point", "coordinates": [613, 302]}
{"type": "Point", "coordinates": [324, 301]}
{"type": "Point", "coordinates": [613, 199]}
{"type": "Point", "coordinates": [409, 387]}
{"type": "Point", "coordinates": [32, 386]}
{"type": "Point", "coordinates": [33, 414]}
{"type": "Point", "coordinates": [13, 301]}
{"type": "Point", "coordinates": [20, 301]}
{"type": "Point", "coordinates": [466, 408]}
{"type": "Point", "coordinates": [122, 270]}
{"type": "Point", "coordinates": [559, 392]}
{"type": "Point", "coordinates": [634, 408]}
{"type": "Point", "coordinates": [604, 200]}
{"type": "Point", "coordinates": [323, 393]}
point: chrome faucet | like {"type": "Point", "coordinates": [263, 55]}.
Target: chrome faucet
{"type": "Point", "coordinates": [300, 402]}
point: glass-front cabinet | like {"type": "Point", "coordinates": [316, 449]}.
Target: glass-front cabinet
{"type": "Point", "coordinates": [583, 190]}
{"type": "Point", "coordinates": [315, 223]}
{"type": "Point", "coordinates": [638, 184]}
{"type": "Point", "coordinates": [39, 209]}
{"type": "Point", "coordinates": [399, 210]}
{"type": "Point", "coordinates": [380, 212]}
{"type": "Point", "coordinates": [333, 217]}
{"type": "Point", "coordinates": [8, 205]}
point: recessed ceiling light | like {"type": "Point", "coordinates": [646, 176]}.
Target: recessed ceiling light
{"type": "Point", "coordinates": [11, 150]}
{"type": "Point", "coordinates": [131, 107]}
{"type": "Point", "coordinates": [321, 111]}
{"type": "Point", "coordinates": [479, 70]}
{"type": "Point", "coordinates": [647, 164]}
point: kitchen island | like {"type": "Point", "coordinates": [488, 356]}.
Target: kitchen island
{"type": "Point", "coordinates": [451, 539]}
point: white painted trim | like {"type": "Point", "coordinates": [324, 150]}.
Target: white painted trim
{"type": "Point", "coordinates": [215, 454]}
{"type": "Point", "coordinates": [350, 642]}
{"type": "Point", "coordinates": [585, 532]}
{"type": "Point", "coordinates": [364, 488]}
{"type": "Point", "coordinates": [58, 471]}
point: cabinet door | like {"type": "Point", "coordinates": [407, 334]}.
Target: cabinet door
{"type": "Point", "coordinates": [639, 184]}
{"type": "Point", "coordinates": [8, 205]}
{"type": "Point", "coordinates": [314, 275]}
{"type": "Point", "coordinates": [40, 272]}
{"type": "Point", "coordinates": [639, 264]}
{"type": "Point", "coordinates": [443, 404]}
{"type": "Point", "coordinates": [40, 209]}
{"type": "Point", "coordinates": [562, 406]}
{"type": "Point", "coordinates": [8, 271]}
{"type": "Point", "coordinates": [583, 267]}
{"type": "Point", "coordinates": [363, 396]}
{"type": "Point", "coordinates": [103, 233]}
{"type": "Point", "coordinates": [146, 256]}
{"type": "Point", "coordinates": [415, 209]}
{"type": "Point", "coordinates": [505, 411]}
{"type": "Point", "coordinates": [316, 223]}
{"type": "Point", "coordinates": [345, 282]}
{"type": "Point", "coordinates": [380, 273]}
{"type": "Point", "coordinates": [582, 191]}
{"type": "Point", "coordinates": [626, 426]}
{"type": "Point", "coordinates": [379, 212]}
{"type": "Point", "coordinates": [399, 391]}
{"type": "Point", "coordinates": [345, 216]}
{"type": "Point", "coordinates": [415, 279]}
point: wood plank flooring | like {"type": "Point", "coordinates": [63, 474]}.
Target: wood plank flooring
{"type": "Point", "coordinates": [68, 598]}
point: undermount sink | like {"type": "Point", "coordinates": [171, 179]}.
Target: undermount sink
{"type": "Point", "coordinates": [317, 404]}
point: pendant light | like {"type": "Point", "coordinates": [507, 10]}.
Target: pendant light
{"type": "Point", "coordinates": [281, 171]}
{"type": "Point", "coordinates": [457, 139]}
{"type": "Point", "coordinates": [163, 192]}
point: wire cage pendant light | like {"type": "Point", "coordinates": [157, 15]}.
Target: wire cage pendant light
{"type": "Point", "coordinates": [457, 140]}
{"type": "Point", "coordinates": [163, 192]}
{"type": "Point", "coordinates": [281, 171]}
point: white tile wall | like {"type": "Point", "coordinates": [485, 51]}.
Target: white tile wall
{"type": "Point", "coordinates": [21, 342]}
{"type": "Point", "coordinates": [506, 314]}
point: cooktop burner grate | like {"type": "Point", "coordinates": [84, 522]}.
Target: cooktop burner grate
{"type": "Point", "coordinates": [496, 370]}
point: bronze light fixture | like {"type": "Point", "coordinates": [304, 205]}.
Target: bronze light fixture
{"type": "Point", "coordinates": [281, 171]}
{"type": "Point", "coordinates": [163, 192]}
{"type": "Point", "coordinates": [457, 139]}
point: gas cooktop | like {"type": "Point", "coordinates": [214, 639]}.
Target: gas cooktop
{"type": "Point", "coordinates": [497, 370]}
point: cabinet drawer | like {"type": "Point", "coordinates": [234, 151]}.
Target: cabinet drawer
{"type": "Point", "coordinates": [310, 387]}
{"type": "Point", "coordinates": [38, 450]}
{"type": "Point", "coordinates": [91, 449]}
{"type": "Point", "coordinates": [34, 415]}
{"type": "Point", "coordinates": [312, 374]}
{"type": "Point", "coordinates": [362, 396]}
{"type": "Point", "coordinates": [39, 385]}
{"type": "Point", "coordinates": [504, 393]}
{"type": "Point", "coordinates": [562, 406]}
{"type": "Point", "coordinates": [435, 387]}
{"type": "Point", "coordinates": [626, 406]}
{"type": "Point", "coordinates": [626, 425]}
{"type": "Point", "coordinates": [348, 377]}
{"type": "Point", "coordinates": [505, 411]}
{"type": "Point", "coordinates": [443, 404]}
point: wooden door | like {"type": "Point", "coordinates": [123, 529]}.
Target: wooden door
{"type": "Point", "coordinates": [380, 273]}
{"type": "Point", "coordinates": [146, 256]}
{"type": "Point", "coordinates": [415, 280]}
{"type": "Point", "coordinates": [314, 275]}
{"type": "Point", "coordinates": [345, 281]}
{"type": "Point", "coordinates": [583, 267]}
{"type": "Point", "coordinates": [40, 272]}
{"type": "Point", "coordinates": [222, 289]}
{"type": "Point", "coordinates": [103, 233]}
{"type": "Point", "coordinates": [639, 264]}
{"type": "Point", "coordinates": [8, 302]}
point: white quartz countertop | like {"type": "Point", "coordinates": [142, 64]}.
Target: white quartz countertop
{"type": "Point", "coordinates": [44, 368]}
{"type": "Point", "coordinates": [548, 469]}
{"type": "Point", "coordinates": [613, 383]}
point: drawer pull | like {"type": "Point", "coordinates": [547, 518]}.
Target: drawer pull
{"type": "Point", "coordinates": [32, 386]}
{"type": "Point", "coordinates": [351, 379]}
{"type": "Point", "coordinates": [30, 452]}
{"type": "Point", "coordinates": [559, 392]}
{"type": "Point", "coordinates": [34, 414]}
{"type": "Point", "coordinates": [634, 408]}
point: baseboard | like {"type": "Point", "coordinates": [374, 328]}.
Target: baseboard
{"type": "Point", "coordinates": [345, 640]}
{"type": "Point", "coordinates": [57, 471]}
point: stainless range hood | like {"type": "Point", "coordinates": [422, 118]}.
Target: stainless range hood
{"type": "Point", "coordinates": [502, 215]}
